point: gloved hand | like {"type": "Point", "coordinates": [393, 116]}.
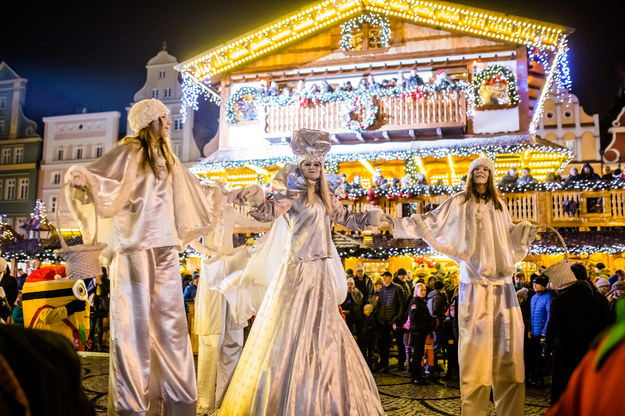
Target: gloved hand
{"type": "Point", "coordinates": [377, 217]}
{"type": "Point", "coordinates": [534, 232]}
{"type": "Point", "coordinates": [77, 179]}
{"type": "Point", "coordinates": [75, 306]}
{"type": "Point", "coordinates": [252, 196]}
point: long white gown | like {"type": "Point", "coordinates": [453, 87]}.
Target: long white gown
{"type": "Point", "coordinates": [486, 245]}
{"type": "Point", "coordinates": [300, 358]}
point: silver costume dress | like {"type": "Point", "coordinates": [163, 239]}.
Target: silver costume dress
{"type": "Point", "coordinates": [146, 219]}
{"type": "Point", "coordinates": [300, 358]}
{"type": "Point", "coordinates": [486, 245]}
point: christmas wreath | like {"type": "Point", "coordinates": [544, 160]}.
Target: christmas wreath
{"type": "Point", "coordinates": [371, 18]}
{"type": "Point", "coordinates": [496, 74]}
{"type": "Point", "coordinates": [353, 105]}
{"type": "Point", "coordinates": [234, 99]}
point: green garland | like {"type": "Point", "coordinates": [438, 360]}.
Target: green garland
{"type": "Point", "coordinates": [495, 74]}
{"type": "Point", "coordinates": [371, 18]}
{"type": "Point", "coordinates": [353, 105]}
{"type": "Point", "coordinates": [238, 95]}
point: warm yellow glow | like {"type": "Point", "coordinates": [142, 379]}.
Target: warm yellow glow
{"type": "Point", "coordinates": [420, 165]}
{"type": "Point", "coordinates": [257, 169]}
{"type": "Point", "coordinates": [451, 165]}
{"type": "Point", "coordinates": [367, 165]}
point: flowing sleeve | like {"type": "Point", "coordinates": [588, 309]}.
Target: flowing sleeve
{"type": "Point", "coordinates": [341, 214]}
{"type": "Point", "coordinates": [522, 235]}
{"type": "Point", "coordinates": [109, 183]}
{"type": "Point", "coordinates": [270, 209]}
{"type": "Point", "coordinates": [447, 229]}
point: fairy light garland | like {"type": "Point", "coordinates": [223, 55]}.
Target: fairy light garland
{"type": "Point", "coordinates": [374, 19]}
{"type": "Point", "coordinates": [238, 95]}
{"type": "Point", "coordinates": [353, 105]}
{"type": "Point", "coordinates": [192, 89]}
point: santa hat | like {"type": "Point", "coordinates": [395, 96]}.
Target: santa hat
{"type": "Point", "coordinates": [144, 112]}
{"type": "Point", "coordinates": [46, 273]}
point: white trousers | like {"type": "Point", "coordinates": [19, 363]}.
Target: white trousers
{"type": "Point", "coordinates": [151, 361]}
{"type": "Point", "coordinates": [490, 349]}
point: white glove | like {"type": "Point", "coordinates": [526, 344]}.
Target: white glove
{"type": "Point", "coordinates": [252, 196]}
{"type": "Point", "coordinates": [377, 217]}
{"type": "Point", "coordinates": [77, 179]}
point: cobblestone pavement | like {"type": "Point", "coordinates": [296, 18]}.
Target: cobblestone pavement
{"type": "Point", "coordinates": [399, 397]}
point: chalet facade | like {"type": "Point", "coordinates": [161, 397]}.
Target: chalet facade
{"type": "Point", "coordinates": [411, 91]}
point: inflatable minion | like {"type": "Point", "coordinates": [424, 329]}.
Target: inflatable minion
{"type": "Point", "coordinates": [53, 302]}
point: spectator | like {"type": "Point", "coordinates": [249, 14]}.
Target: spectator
{"type": "Point", "coordinates": [421, 324]}
{"type": "Point", "coordinates": [8, 283]}
{"type": "Point", "coordinates": [519, 281]}
{"type": "Point", "coordinates": [405, 181]}
{"type": "Point", "coordinates": [300, 89]}
{"type": "Point", "coordinates": [576, 317]}
{"type": "Point", "coordinates": [437, 305]}
{"type": "Point", "coordinates": [273, 90]}
{"type": "Point", "coordinates": [314, 90]}
{"type": "Point", "coordinates": [373, 85]}
{"type": "Point", "coordinates": [618, 290]}
{"type": "Point", "coordinates": [352, 308]}
{"type": "Point", "coordinates": [396, 183]}
{"type": "Point", "coordinates": [186, 279]}
{"type": "Point", "coordinates": [363, 283]}
{"type": "Point", "coordinates": [524, 302]}
{"type": "Point", "coordinates": [414, 81]}
{"type": "Point", "coordinates": [509, 178]}
{"type": "Point", "coordinates": [285, 93]}
{"type": "Point", "coordinates": [574, 176]}
{"type": "Point", "coordinates": [399, 332]}
{"type": "Point", "coordinates": [385, 184]}
{"type": "Point", "coordinates": [603, 285]}
{"type": "Point", "coordinates": [99, 300]}
{"type": "Point", "coordinates": [376, 289]}
{"type": "Point", "coordinates": [389, 312]}
{"type": "Point", "coordinates": [355, 183]}
{"type": "Point", "coordinates": [539, 315]}
{"type": "Point", "coordinates": [347, 86]}
{"type": "Point", "coordinates": [363, 84]}
{"type": "Point", "coordinates": [607, 174]}
{"type": "Point", "coordinates": [618, 173]}
{"type": "Point", "coordinates": [619, 275]}
{"type": "Point", "coordinates": [421, 179]}
{"type": "Point", "coordinates": [449, 335]}
{"type": "Point", "coordinates": [366, 339]}
{"type": "Point", "coordinates": [349, 273]}
{"type": "Point", "coordinates": [588, 173]}
{"type": "Point", "coordinates": [326, 88]}
{"type": "Point", "coordinates": [21, 278]}
{"type": "Point", "coordinates": [190, 292]}
{"type": "Point", "coordinates": [553, 177]}
{"type": "Point", "coordinates": [526, 177]}
{"type": "Point", "coordinates": [599, 267]}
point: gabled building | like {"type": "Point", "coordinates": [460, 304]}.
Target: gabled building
{"type": "Point", "coordinates": [162, 82]}
{"type": "Point", "coordinates": [20, 151]}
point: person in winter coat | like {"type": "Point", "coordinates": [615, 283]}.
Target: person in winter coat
{"type": "Point", "coordinates": [421, 324]}
{"type": "Point", "coordinates": [539, 317]}
{"type": "Point", "coordinates": [449, 336]}
{"type": "Point", "coordinates": [588, 173]}
{"type": "Point", "coordinates": [353, 308]}
{"type": "Point", "coordinates": [400, 280]}
{"type": "Point", "coordinates": [576, 318]}
{"type": "Point", "coordinates": [388, 314]}
{"type": "Point", "coordinates": [366, 339]}
{"type": "Point", "coordinates": [99, 300]}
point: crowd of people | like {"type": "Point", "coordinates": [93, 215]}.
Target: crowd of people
{"type": "Point", "coordinates": [415, 311]}
{"type": "Point", "coordinates": [588, 174]}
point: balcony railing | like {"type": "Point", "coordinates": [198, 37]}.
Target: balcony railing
{"type": "Point", "coordinates": [432, 110]}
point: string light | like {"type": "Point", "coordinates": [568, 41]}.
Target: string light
{"type": "Point", "coordinates": [496, 74]}
{"type": "Point", "coordinates": [370, 18]}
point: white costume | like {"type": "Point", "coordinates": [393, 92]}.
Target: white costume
{"type": "Point", "coordinates": [486, 245]}
{"type": "Point", "coordinates": [300, 358]}
{"type": "Point", "coordinates": [146, 219]}
{"type": "Point", "coordinates": [220, 334]}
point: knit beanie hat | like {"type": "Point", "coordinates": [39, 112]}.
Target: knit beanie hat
{"type": "Point", "coordinates": [601, 282]}
{"type": "Point", "coordinates": [541, 280]}
{"type": "Point", "coordinates": [401, 272]}
{"type": "Point", "coordinates": [482, 161]}
{"type": "Point", "coordinates": [144, 112]}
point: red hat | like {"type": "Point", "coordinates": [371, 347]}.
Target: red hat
{"type": "Point", "coordinates": [45, 273]}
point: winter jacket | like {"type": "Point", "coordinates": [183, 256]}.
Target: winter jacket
{"type": "Point", "coordinates": [365, 286]}
{"type": "Point", "coordinates": [540, 304]}
{"type": "Point", "coordinates": [420, 319]}
{"type": "Point", "coordinates": [390, 304]}
{"type": "Point", "coordinates": [437, 304]}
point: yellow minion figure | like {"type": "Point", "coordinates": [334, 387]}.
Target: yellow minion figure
{"type": "Point", "coordinates": [53, 302]}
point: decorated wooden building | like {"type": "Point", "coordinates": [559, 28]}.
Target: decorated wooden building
{"type": "Point", "coordinates": [411, 92]}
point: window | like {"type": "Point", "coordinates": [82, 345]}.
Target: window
{"type": "Point", "coordinates": [177, 149]}
{"type": "Point", "coordinates": [177, 124]}
{"type": "Point", "coordinates": [1, 189]}
{"type": "Point", "coordinates": [53, 204]}
{"type": "Point", "coordinates": [3, 102]}
{"type": "Point", "coordinates": [167, 93]}
{"type": "Point", "coordinates": [20, 222]}
{"type": "Point", "coordinates": [56, 179]}
{"type": "Point", "coordinates": [99, 151]}
{"type": "Point", "coordinates": [6, 156]}
{"type": "Point", "coordinates": [79, 153]}
{"type": "Point", "coordinates": [10, 191]}
{"type": "Point", "coordinates": [19, 155]}
{"type": "Point", "coordinates": [155, 93]}
{"type": "Point", "coordinates": [23, 188]}
{"type": "Point", "coordinates": [59, 154]}
{"type": "Point", "coordinates": [161, 74]}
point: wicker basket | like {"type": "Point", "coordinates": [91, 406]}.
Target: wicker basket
{"type": "Point", "coordinates": [560, 274]}
{"type": "Point", "coordinates": [82, 260]}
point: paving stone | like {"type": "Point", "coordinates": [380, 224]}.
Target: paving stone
{"type": "Point", "coordinates": [399, 397]}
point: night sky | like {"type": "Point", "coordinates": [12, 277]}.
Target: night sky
{"type": "Point", "coordinates": [92, 55]}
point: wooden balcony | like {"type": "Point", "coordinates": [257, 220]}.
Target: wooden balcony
{"type": "Point", "coordinates": [431, 111]}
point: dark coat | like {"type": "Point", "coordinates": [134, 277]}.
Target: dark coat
{"type": "Point", "coordinates": [390, 304]}
{"type": "Point", "coordinates": [437, 304]}
{"type": "Point", "coordinates": [577, 317]}
{"type": "Point", "coordinates": [420, 319]}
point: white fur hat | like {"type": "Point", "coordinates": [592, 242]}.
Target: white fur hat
{"type": "Point", "coordinates": [144, 112]}
{"type": "Point", "coordinates": [482, 161]}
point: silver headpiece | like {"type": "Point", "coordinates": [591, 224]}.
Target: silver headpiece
{"type": "Point", "coordinates": [310, 145]}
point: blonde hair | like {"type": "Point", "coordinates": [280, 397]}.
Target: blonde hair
{"type": "Point", "coordinates": [417, 286]}
{"type": "Point", "coordinates": [324, 190]}
{"type": "Point", "coordinates": [153, 133]}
